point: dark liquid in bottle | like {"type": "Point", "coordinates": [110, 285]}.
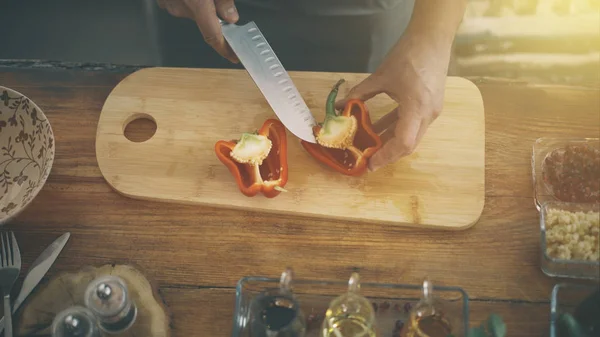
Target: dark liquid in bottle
{"type": "Point", "coordinates": [276, 317]}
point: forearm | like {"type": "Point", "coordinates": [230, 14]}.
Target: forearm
{"type": "Point", "coordinates": [436, 20]}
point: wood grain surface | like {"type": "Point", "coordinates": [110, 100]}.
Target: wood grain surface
{"type": "Point", "coordinates": [440, 185]}
{"type": "Point", "coordinates": [198, 253]}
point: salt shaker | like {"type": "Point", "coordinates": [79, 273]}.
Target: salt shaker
{"type": "Point", "coordinates": [108, 298]}
{"type": "Point", "coordinates": [75, 321]}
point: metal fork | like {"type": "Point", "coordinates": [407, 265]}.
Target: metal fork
{"type": "Point", "coordinates": [10, 263]}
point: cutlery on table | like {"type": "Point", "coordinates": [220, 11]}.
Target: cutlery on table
{"type": "Point", "coordinates": [10, 267]}
{"type": "Point", "coordinates": [260, 61]}
{"type": "Point", "coordinates": [37, 270]}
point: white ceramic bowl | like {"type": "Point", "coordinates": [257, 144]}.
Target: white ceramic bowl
{"type": "Point", "coordinates": [26, 152]}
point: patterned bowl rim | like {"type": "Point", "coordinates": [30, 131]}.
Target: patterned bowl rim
{"type": "Point", "coordinates": [13, 213]}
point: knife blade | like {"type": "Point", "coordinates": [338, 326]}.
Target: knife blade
{"type": "Point", "coordinates": [37, 270]}
{"type": "Point", "coordinates": [269, 75]}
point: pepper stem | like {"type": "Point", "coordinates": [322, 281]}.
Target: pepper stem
{"type": "Point", "coordinates": [330, 104]}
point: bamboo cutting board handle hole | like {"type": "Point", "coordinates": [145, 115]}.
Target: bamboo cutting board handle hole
{"type": "Point", "coordinates": [139, 127]}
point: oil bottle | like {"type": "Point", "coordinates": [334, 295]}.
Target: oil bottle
{"type": "Point", "coordinates": [350, 314]}
{"type": "Point", "coordinates": [276, 312]}
{"type": "Point", "coordinates": [428, 317]}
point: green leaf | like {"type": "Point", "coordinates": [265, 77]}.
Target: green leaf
{"type": "Point", "coordinates": [477, 332]}
{"type": "Point", "coordinates": [568, 326]}
{"type": "Point", "coordinates": [496, 325]}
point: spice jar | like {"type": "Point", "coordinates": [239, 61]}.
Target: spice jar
{"type": "Point", "coordinates": [108, 298]}
{"type": "Point", "coordinates": [75, 321]}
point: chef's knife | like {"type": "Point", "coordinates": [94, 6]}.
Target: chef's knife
{"type": "Point", "coordinates": [260, 61]}
{"type": "Point", "coordinates": [38, 269]}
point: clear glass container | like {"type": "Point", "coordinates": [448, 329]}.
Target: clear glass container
{"type": "Point", "coordinates": [108, 298]}
{"type": "Point", "coordinates": [350, 314]}
{"type": "Point", "coordinates": [430, 317]}
{"type": "Point", "coordinates": [555, 267]}
{"type": "Point", "coordinates": [391, 303]}
{"type": "Point", "coordinates": [75, 321]}
{"type": "Point", "coordinates": [542, 147]}
{"type": "Point", "coordinates": [275, 312]}
{"type": "Point", "coordinates": [566, 297]}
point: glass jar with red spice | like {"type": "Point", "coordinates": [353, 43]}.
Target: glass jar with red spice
{"type": "Point", "coordinates": [566, 170]}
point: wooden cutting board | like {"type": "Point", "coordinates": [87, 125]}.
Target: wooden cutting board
{"type": "Point", "coordinates": [441, 185]}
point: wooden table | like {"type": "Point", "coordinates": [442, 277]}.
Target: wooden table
{"type": "Point", "coordinates": [197, 254]}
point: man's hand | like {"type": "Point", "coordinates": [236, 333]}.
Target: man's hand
{"type": "Point", "coordinates": [414, 75]}
{"type": "Point", "coordinates": [204, 12]}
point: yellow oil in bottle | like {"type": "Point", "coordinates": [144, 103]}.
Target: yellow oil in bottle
{"type": "Point", "coordinates": [350, 314]}
{"type": "Point", "coordinates": [347, 326]}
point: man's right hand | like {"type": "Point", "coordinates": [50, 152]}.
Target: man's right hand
{"type": "Point", "coordinates": [204, 13]}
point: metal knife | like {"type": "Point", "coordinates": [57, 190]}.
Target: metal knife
{"type": "Point", "coordinates": [37, 270]}
{"type": "Point", "coordinates": [260, 61]}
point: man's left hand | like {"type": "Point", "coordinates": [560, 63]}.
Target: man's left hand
{"type": "Point", "coordinates": [414, 75]}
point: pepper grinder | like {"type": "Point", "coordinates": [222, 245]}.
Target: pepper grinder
{"type": "Point", "coordinates": [108, 298]}
{"type": "Point", "coordinates": [75, 321]}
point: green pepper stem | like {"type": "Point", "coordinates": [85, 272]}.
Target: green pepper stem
{"type": "Point", "coordinates": [330, 105]}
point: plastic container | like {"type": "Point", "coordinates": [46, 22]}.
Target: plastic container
{"type": "Point", "coordinates": [542, 147]}
{"type": "Point", "coordinates": [392, 302]}
{"type": "Point", "coordinates": [565, 299]}
{"type": "Point", "coordinates": [555, 267]}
